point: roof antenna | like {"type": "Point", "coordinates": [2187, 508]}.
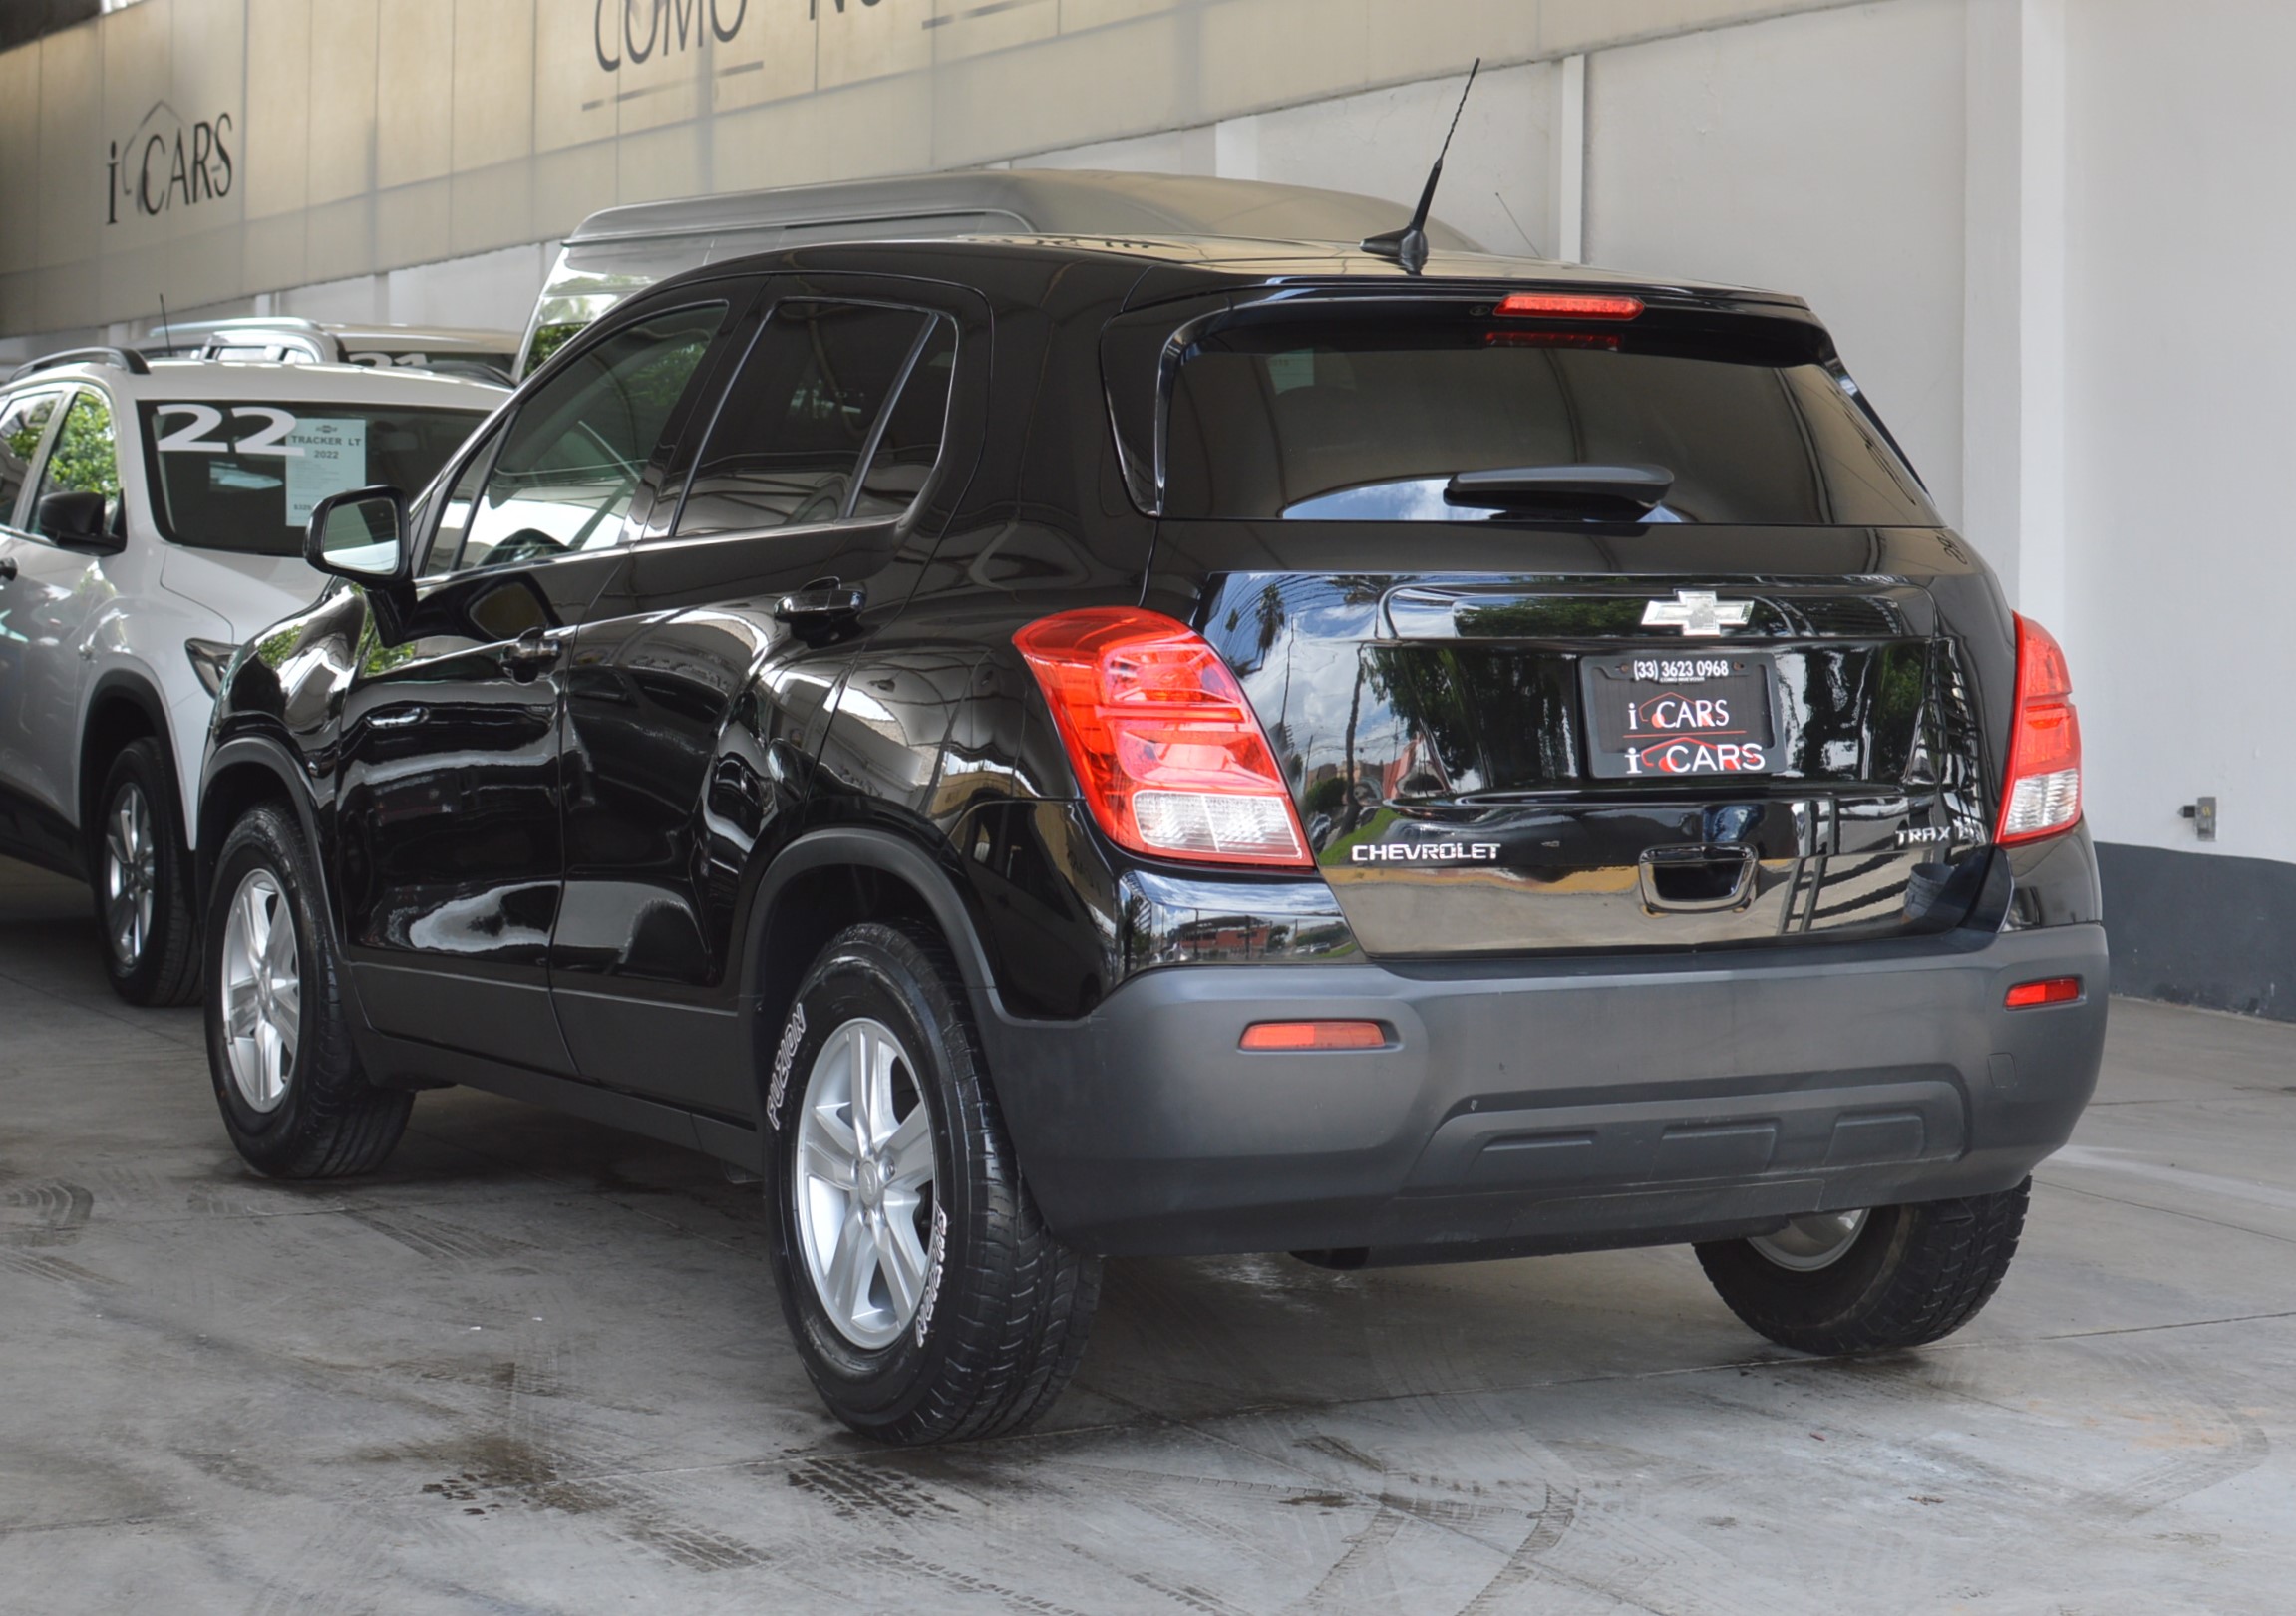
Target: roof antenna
{"type": "Point", "coordinates": [166, 336]}
{"type": "Point", "coordinates": [1408, 246]}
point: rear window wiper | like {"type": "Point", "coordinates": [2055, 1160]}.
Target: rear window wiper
{"type": "Point", "coordinates": [1590, 491]}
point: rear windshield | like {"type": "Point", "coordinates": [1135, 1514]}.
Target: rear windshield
{"type": "Point", "coordinates": [234, 476]}
{"type": "Point", "coordinates": [1358, 423]}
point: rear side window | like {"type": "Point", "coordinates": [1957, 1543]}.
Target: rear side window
{"type": "Point", "coordinates": [1361, 421]}
{"type": "Point", "coordinates": [827, 389]}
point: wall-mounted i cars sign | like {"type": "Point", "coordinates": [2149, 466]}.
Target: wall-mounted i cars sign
{"type": "Point", "coordinates": [167, 163]}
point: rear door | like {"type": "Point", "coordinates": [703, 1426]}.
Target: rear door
{"type": "Point", "coordinates": [449, 844]}
{"type": "Point", "coordinates": [1683, 660]}
{"type": "Point", "coordinates": [697, 699]}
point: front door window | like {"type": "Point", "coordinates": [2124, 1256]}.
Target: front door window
{"type": "Point", "coordinates": [84, 457]}
{"type": "Point", "coordinates": [23, 423]}
{"type": "Point", "coordinates": [572, 460]}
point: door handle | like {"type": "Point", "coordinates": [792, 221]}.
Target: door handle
{"type": "Point", "coordinates": [532, 651]}
{"type": "Point", "coordinates": [821, 602]}
{"type": "Point", "coordinates": [399, 718]}
{"type": "Point", "coordinates": [7, 569]}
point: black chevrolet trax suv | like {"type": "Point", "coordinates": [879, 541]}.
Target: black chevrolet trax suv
{"type": "Point", "coordinates": [1054, 748]}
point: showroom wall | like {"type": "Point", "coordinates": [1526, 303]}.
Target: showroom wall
{"type": "Point", "coordinates": [2008, 210]}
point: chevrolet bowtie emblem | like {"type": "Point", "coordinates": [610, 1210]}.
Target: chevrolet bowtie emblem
{"type": "Point", "coordinates": [1696, 611]}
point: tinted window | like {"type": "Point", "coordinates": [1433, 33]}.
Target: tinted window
{"type": "Point", "coordinates": [22, 421]}
{"type": "Point", "coordinates": [571, 462]}
{"type": "Point", "coordinates": [84, 457]}
{"type": "Point", "coordinates": [455, 518]}
{"type": "Point", "coordinates": [809, 404]}
{"type": "Point", "coordinates": [911, 440]}
{"type": "Point", "coordinates": [232, 476]}
{"type": "Point", "coordinates": [1369, 423]}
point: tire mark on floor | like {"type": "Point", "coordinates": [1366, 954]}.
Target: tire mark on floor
{"type": "Point", "coordinates": [1547, 1530]}
{"type": "Point", "coordinates": [905, 1564]}
{"type": "Point", "coordinates": [441, 1241]}
{"type": "Point", "coordinates": [49, 1212]}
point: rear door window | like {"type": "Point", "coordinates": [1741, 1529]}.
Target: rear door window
{"type": "Point", "coordinates": [1364, 421]}
{"type": "Point", "coordinates": [827, 389]}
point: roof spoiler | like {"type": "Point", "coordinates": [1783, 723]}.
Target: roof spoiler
{"type": "Point", "coordinates": [127, 359]}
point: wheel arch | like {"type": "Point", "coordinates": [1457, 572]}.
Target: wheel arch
{"type": "Point", "coordinates": [122, 707]}
{"type": "Point", "coordinates": [829, 879]}
{"type": "Point", "coordinates": [242, 773]}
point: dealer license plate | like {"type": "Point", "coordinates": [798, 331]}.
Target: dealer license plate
{"type": "Point", "coordinates": [1674, 714]}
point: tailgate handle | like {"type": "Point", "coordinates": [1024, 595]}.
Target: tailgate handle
{"type": "Point", "coordinates": [1697, 879]}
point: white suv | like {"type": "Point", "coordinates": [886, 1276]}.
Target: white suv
{"type": "Point", "coordinates": [152, 517]}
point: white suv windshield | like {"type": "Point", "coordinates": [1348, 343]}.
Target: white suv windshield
{"type": "Point", "coordinates": [234, 476]}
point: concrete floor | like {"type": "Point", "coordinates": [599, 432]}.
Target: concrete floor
{"type": "Point", "coordinates": [535, 1366]}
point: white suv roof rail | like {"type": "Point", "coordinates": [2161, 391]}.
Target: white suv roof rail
{"type": "Point", "coordinates": [127, 359]}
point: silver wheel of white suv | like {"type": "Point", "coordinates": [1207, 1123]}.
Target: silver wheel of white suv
{"type": "Point", "coordinates": [130, 875]}
{"type": "Point", "coordinates": [864, 1190]}
{"type": "Point", "coordinates": [262, 991]}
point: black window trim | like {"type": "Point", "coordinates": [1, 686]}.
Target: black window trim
{"type": "Point", "coordinates": [670, 534]}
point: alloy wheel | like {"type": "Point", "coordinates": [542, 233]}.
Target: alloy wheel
{"type": "Point", "coordinates": [1809, 1244]}
{"type": "Point", "coordinates": [262, 991]}
{"type": "Point", "coordinates": [130, 875]}
{"type": "Point", "coordinates": [863, 1183]}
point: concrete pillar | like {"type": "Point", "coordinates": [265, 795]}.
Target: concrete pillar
{"type": "Point", "coordinates": [2013, 299]}
{"type": "Point", "coordinates": [1569, 232]}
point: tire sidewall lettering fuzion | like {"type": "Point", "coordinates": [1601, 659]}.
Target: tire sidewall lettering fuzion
{"type": "Point", "coordinates": [841, 989]}
{"type": "Point", "coordinates": [785, 1057]}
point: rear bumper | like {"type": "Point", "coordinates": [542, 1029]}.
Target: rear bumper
{"type": "Point", "coordinates": [1553, 1105]}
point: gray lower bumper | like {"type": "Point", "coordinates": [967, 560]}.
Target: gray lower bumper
{"type": "Point", "coordinates": [1571, 1103]}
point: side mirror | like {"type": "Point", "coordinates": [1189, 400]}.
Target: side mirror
{"type": "Point", "coordinates": [69, 519]}
{"type": "Point", "coordinates": [361, 535]}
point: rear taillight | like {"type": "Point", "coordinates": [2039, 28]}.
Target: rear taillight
{"type": "Point", "coordinates": [2044, 794]}
{"type": "Point", "coordinates": [1171, 759]}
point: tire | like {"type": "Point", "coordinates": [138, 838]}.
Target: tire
{"type": "Point", "coordinates": [142, 873]}
{"type": "Point", "coordinates": [298, 1106]}
{"type": "Point", "coordinates": [997, 1309]}
{"type": "Point", "coordinates": [1911, 1275]}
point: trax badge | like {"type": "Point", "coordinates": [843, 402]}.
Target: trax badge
{"type": "Point", "coordinates": [1696, 611]}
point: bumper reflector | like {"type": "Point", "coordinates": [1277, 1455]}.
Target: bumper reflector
{"type": "Point", "coordinates": [1314, 1034]}
{"type": "Point", "coordinates": [2052, 990]}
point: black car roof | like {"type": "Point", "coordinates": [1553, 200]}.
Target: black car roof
{"type": "Point", "coordinates": [1143, 270]}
